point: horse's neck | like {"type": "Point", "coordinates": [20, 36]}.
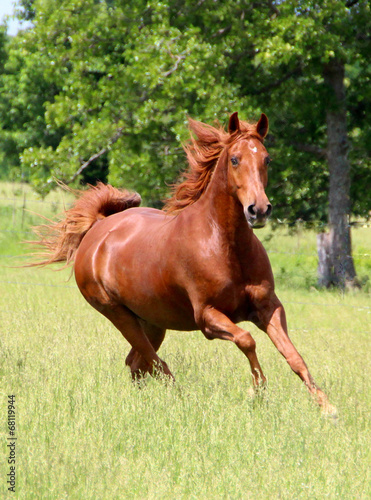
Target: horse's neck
{"type": "Point", "coordinates": [223, 207]}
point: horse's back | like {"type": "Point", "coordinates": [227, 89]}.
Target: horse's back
{"type": "Point", "coordinates": [114, 237]}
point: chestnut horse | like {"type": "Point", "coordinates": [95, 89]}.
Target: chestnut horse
{"type": "Point", "coordinates": [197, 264]}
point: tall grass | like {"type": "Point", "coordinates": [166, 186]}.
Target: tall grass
{"type": "Point", "coordinates": [20, 208]}
{"type": "Point", "coordinates": [85, 431]}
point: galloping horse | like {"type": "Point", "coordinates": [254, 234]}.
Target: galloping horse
{"type": "Point", "coordinates": [196, 264]}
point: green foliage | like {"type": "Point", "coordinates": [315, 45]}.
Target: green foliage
{"type": "Point", "coordinates": [116, 80]}
{"type": "Point", "coordinates": [305, 37]}
{"type": "Point", "coordinates": [27, 11]}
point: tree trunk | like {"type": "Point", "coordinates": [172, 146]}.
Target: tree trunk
{"type": "Point", "coordinates": [336, 265]}
{"type": "Point", "coordinates": [324, 261]}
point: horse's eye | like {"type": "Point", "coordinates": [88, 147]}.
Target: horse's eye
{"type": "Point", "coordinates": [234, 161]}
{"type": "Point", "coordinates": [267, 160]}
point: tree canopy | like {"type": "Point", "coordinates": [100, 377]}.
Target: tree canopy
{"type": "Point", "coordinates": [103, 89]}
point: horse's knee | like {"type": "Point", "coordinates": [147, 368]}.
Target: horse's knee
{"type": "Point", "coordinates": [245, 342]}
{"type": "Point", "coordinates": [208, 334]}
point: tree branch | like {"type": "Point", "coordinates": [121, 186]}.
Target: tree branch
{"type": "Point", "coordinates": [222, 31]}
{"type": "Point", "coordinates": [175, 67]}
{"type": "Point", "coordinates": [277, 83]}
{"type": "Point", "coordinates": [95, 156]}
{"type": "Point", "coordinates": [311, 148]}
{"type": "Point", "coordinates": [273, 8]}
{"type": "Point", "coordinates": [350, 3]}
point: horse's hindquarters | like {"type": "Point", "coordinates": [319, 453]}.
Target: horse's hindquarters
{"type": "Point", "coordinates": [129, 259]}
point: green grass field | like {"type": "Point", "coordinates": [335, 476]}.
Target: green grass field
{"type": "Point", "coordinates": [85, 431]}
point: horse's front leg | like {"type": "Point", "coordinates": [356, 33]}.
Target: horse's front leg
{"type": "Point", "coordinates": [215, 325]}
{"type": "Point", "coordinates": [272, 320]}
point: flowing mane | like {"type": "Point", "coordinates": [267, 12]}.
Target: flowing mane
{"type": "Point", "coordinates": [203, 152]}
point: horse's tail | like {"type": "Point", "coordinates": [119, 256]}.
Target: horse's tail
{"type": "Point", "coordinates": [62, 238]}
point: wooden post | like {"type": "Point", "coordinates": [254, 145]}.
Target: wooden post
{"type": "Point", "coordinates": [23, 208]}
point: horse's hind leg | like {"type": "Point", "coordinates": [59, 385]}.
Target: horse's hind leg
{"type": "Point", "coordinates": [135, 360]}
{"type": "Point", "coordinates": [155, 336]}
{"type": "Point", "coordinates": [132, 329]}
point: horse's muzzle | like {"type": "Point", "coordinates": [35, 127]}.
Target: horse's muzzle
{"type": "Point", "coordinates": [257, 218]}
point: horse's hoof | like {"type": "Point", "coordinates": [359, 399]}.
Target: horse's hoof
{"type": "Point", "coordinates": [330, 411]}
{"type": "Point", "coordinates": [251, 392]}
{"type": "Point", "coordinates": [257, 391]}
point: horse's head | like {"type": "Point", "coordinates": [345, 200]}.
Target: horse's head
{"type": "Point", "coordinates": [248, 170]}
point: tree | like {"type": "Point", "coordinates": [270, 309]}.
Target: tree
{"type": "Point", "coordinates": [5, 164]}
{"type": "Point", "coordinates": [103, 88]}
{"type": "Point", "coordinates": [23, 94]}
{"type": "Point", "coordinates": [126, 79]}
{"type": "Point", "coordinates": [305, 54]}
{"type": "Point", "coordinates": [27, 10]}
{"type": "Point", "coordinates": [342, 34]}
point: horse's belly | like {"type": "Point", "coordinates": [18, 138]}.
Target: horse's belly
{"type": "Point", "coordinates": [153, 299]}
{"type": "Point", "coordinates": [165, 309]}
{"type": "Point", "coordinates": [164, 315]}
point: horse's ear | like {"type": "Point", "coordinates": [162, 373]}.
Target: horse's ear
{"type": "Point", "coordinates": [262, 126]}
{"type": "Point", "coordinates": [234, 123]}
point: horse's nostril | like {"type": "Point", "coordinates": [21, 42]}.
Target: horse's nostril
{"type": "Point", "coordinates": [251, 210]}
{"type": "Point", "coordinates": [269, 210]}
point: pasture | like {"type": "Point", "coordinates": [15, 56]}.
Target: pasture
{"type": "Point", "coordinates": [85, 431]}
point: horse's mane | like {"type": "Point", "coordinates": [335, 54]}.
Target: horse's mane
{"type": "Point", "coordinates": [203, 152]}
